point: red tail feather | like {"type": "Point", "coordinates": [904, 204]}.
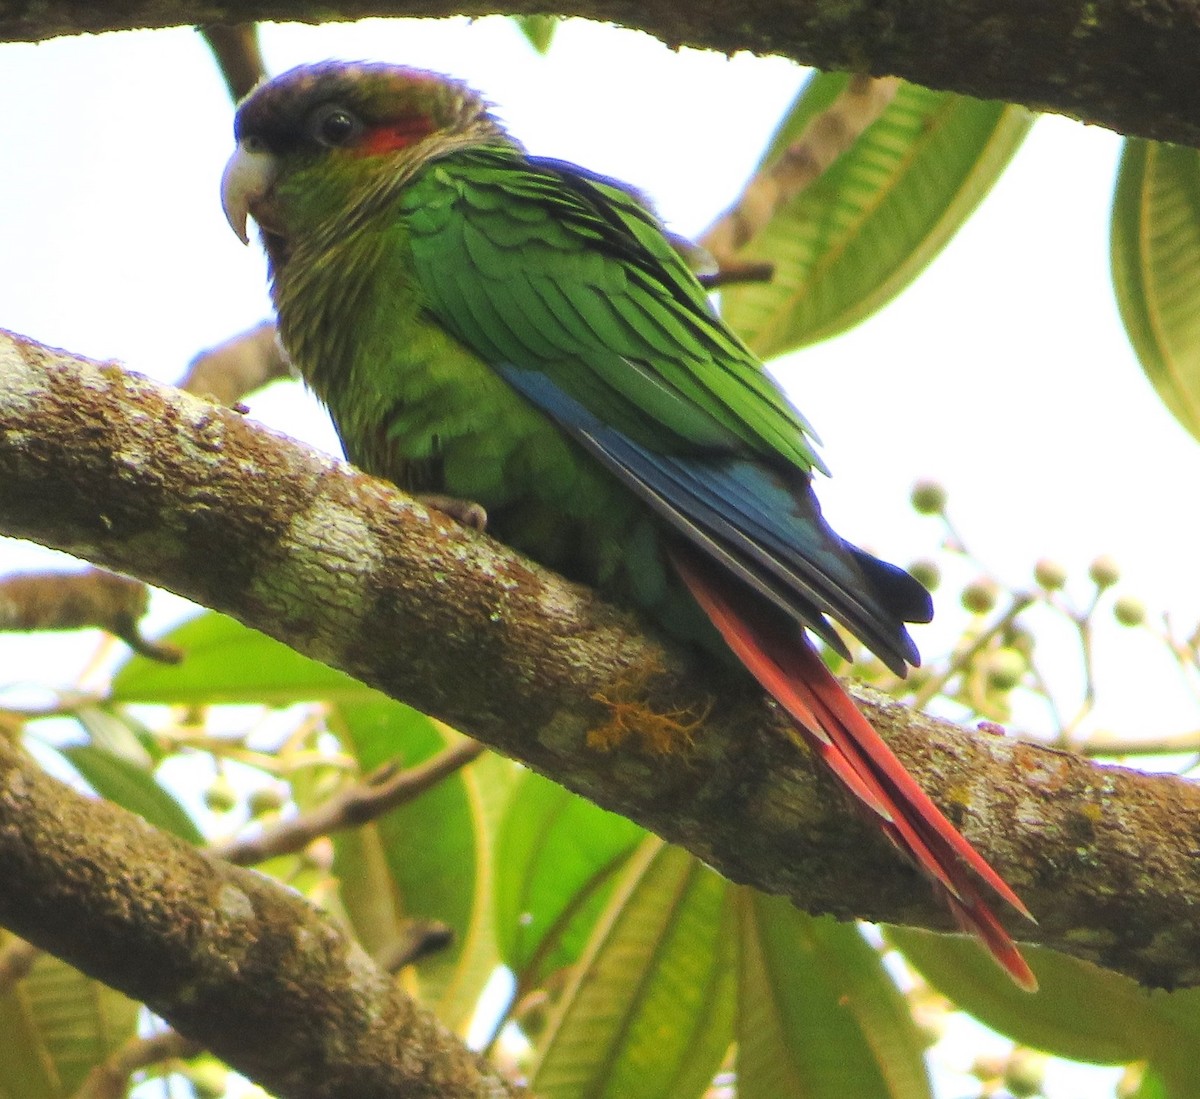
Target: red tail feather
{"type": "Point", "coordinates": [791, 671]}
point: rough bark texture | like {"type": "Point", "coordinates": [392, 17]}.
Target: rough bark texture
{"type": "Point", "coordinates": [233, 959]}
{"type": "Point", "coordinates": [145, 479]}
{"type": "Point", "coordinates": [1125, 64]}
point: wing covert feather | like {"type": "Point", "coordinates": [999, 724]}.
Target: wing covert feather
{"type": "Point", "coordinates": [526, 233]}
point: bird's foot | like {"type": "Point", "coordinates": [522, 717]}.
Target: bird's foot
{"type": "Point", "coordinates": [466, 512]}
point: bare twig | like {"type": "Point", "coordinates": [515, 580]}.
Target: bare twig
{"type": "Point", "coordinates": [418, 940]}
{"type": "Point", "coordinates": [236, 50]}
{"type": "Point", "coordinates": [240, 365]}
{"type": "Point", "coordinates": [377, 794]}
{"type": "Point", "coordinates": [111, 1078]}
{"type": "Point", "coordinates": [732, 272]}
{"type": "Point", "coordinates": [962, 658]}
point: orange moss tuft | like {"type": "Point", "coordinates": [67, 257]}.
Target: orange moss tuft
{"type": "Point", "coordinates": [660, 734]}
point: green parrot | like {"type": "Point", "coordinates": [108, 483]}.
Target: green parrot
{"type": "Point", "coordinates": [523, 334]}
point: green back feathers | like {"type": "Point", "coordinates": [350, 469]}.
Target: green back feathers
{"type": "Point", "coordinates": [538, 265]}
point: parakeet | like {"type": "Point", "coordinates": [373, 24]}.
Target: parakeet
{"type": "Point", "coordinates": [524, 334]}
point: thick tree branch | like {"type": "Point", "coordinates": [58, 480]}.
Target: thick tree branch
{"type": "Point", "coordinates": [145, 479]}
{"type": "Point", "coordinates": [232, 959]}
{"type": "Point", "coordinates": [1125, 64]}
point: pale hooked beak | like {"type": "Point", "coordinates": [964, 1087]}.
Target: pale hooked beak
{"type": "Point", "coordinates": [248, 177]}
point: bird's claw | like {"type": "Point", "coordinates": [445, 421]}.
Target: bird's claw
{"type": "Point", "coordinates": [466, 512]}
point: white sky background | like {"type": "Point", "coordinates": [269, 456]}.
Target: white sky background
{"type": "Point", "coordinates": [1003, 372]}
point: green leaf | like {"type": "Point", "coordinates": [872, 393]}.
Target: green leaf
{"type": "Point", "coordinates": [226, 662]}
{"type": "Point", "coordinates": [1080, 1011]}
{"type": "Point", "coordinates": [1172, 1075]}
{"type": "Point", "coordinates": [648, 1012]}
{"type": "Point", "coordinates": [133, 787]}
{"type": "Point", "coordinates": [57, 1025]}
{"type": "Point", "coordinates": [1156, 268]}
{"type": "Point", "coordinates": [435, 848]}
{"type": "Point", "coordinates": [538, 29]}
{"type": "Point", "coordinates": [1152, 1086]}
{"type": "Point", "coordinates": [854, 238]}
{"type": "Point", "coordinates": [489, 782]}
{"type": "Point", "coordinates": [119, 734]}
{"type": "Point", "coordinates": [559, 853]}
{"type": "Point", "coordinates": [817, 1013]}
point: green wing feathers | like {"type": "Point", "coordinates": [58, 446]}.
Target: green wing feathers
{"type": "Point", "coordinates": [536, 265]}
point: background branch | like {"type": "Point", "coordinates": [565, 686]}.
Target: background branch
{"type": "Point", "coordinates": [1125, 64]}
{"type": "Point", "coordinates": [111, 1079]}
{"type": "Point", "coordinates": [366, 800]}
{"type": "Point", "coordinates": [146, 479]}
{"type": "Point", "coordinates": [232, 959]}
{"type": "Point", "coordinates": [238, 55]}
{"type": "Point", "coordinates": [78, 600]}
{"type": "Point", "coordinates": [239, 365]}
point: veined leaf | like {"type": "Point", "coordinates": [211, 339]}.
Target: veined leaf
{"type": "Point", "coordinates": [818, 1015]}
{"type": "Point", "coordinates": [1156, 268]}
{"type": "Point", "coordinates": [648, 1013]}
{"type": "Point", "coordinates": [117, 733]}
{"type": "Point", "coordinates": [860, 233]}
{"type": "Point", "coordinates": [134, 788]}
{"type": "Point", "coordinates": [489, 782]}
{"type": "Point", "coordinates": [57, 1026]}
{"type": "Point", "coordinates": [1080, 1011]}
{"type": "Point", "coordinates": [226, 662]}
{"type": "Point", "coordinates": [435, 852]}
{"type": "Point", "coordinates": [560, 855]}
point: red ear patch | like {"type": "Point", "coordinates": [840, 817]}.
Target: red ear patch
{"type": "Point", "coordinates": [399, 134]}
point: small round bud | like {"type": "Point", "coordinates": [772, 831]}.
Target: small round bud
{"type": "Point", "coordinates": [220, 797]}
{"type": "Point", "coordinates": [1050, 575]}
{"type": "Point", "coordinates": [1104, 572]}
{"type": "Point", "coordinates": [265, 800]}
{"type": "Point", "coordinates": [928, 498]}
{"type": "Point", "coordinates": [926, 573]}
{"type": "Point", "coordinates": [1129, 611]}
{"type": "Point", "coordinates": [1005, 667]}
{"type": "Point", "coordinates": [980, 596]}
{"type": "Point", "coordinates": [1019, 638]}
{"type": "Point", "coordinates": [1025, 1072]}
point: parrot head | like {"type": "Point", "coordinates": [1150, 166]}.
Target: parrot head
{"type": "Point", "coordinates": [311, 143]}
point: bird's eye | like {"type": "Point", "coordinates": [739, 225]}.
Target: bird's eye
{"type": "Point", "coordinates": [333, 125]}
